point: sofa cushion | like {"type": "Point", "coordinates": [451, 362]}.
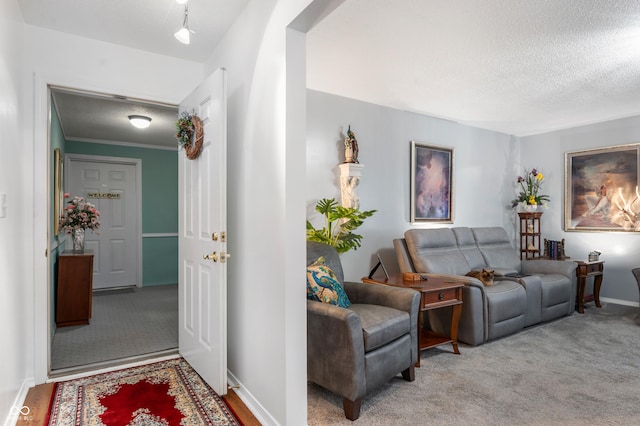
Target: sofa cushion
{"type": "Point", "coordinates": [381, 324]}
{"type": "Point", "coordinates": [469, 248]}
{"type": "Point", "coordinates": [557, 298]}
{"type": "Point", "coordinates": [323, 286]}
{"type": "Point", "coordinates": [436, 251]}
{"type": "Point", "coordinates": [496, 248]}
{"type": "Point", "coordinates": [506, 305]}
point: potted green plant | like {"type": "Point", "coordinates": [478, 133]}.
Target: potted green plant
{"type": "Point", "coordinates": [339, 224]}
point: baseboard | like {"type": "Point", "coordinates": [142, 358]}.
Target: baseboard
{"type": "Point", "coordinates": [620, 302]}
{"type": "Point", "coordinates": [261, 414]}
{"type": "Point", "coordinates": [18, 408]}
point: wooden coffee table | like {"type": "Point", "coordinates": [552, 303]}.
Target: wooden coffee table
{"type": "Point", "coordinates": [435, 292]}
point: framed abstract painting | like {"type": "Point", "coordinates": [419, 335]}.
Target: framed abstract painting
{"type": "Point", "coordinates": [601, 189]}
{"type": "Point", "coordinates": [431, 183]}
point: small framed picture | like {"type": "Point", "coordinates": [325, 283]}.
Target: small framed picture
{"type": "Point", "coordinates": [601, 189]}
{"type": "Point", "coordinates": [431, 183]}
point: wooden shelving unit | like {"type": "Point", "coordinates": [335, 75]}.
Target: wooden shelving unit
{"type": "Point", "coordinates": [530, 247]}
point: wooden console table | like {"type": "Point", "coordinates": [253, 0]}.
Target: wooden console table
{"type": "Point", "coordinates": [583, 271]}
{"type": "Point", "coordinates": [435, 293]}
{"type": "Point", "coordinates": [73, 296]}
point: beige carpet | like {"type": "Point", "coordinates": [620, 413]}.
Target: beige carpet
{"type": "Point", "coordinates": [578, 370]}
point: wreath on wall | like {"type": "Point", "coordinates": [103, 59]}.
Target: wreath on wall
{"type": "Point", "coordinates": [189, 134]}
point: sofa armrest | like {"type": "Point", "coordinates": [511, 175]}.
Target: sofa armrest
{"type": "Point", "coordinates": [473, 328]}
{"type": "Point", "coordinates": [402, 254]}
{"type": "Point", "coordinates": [335, 349]}
{"type": "Point", "coordinates": [547, 266]}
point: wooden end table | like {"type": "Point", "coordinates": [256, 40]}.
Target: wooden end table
{"type": "Point", "coordinates": [74, 289]}
{"type": "Point", "coordinates": [435, 293]}
{"type": "Point", "coordinates": [589, 269]}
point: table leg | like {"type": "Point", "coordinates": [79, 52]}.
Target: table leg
{"type": "Point", "coordinates": [420, 325]}
{"type": "Point", "coordinates": [597, 282]}
{"type": "Point", "coordinates": [455, 321]}
{"type": "Point", "coordinates": [580, 297]}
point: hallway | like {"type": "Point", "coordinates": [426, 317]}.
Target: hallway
{"type": "Point", "coordinates": [125, 323]}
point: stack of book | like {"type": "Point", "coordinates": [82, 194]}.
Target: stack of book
{"type": "Point", "coordinates": [554, 249]}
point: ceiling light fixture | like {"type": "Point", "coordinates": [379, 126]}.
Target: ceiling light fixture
{"type": "Point", "coordinates": [140, 121]}
{"type": "Point", "coordinates": [184, 33]}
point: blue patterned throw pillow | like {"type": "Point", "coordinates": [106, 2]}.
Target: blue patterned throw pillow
{"type": "Point", "coordinates": [323, 286]}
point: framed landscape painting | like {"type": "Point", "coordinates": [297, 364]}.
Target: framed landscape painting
{"type": "Point", "coordinates": [601, 189]}
{"type": "Point", "coordinates": [431, 183]}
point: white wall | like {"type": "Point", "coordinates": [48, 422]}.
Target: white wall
{"type": "Point", "coordinates": [485, 164]}
{"type": "Point", "coordinates": [16, 286]}
{"type": "Point", "coordinates": [53, 57]}
{"type": "Point", "coordinates": [619, 250]}
{"type": "Point", "coordinates": [266, 145]}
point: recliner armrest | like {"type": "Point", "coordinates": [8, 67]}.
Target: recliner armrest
{"type": "Point", "coordinates": [548, 266]}
{"type": "Point", "coordinates": [403, 299]}
{"type": "Point", "coordinates": [335, 349]}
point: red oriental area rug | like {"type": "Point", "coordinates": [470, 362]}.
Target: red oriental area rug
{"type": "Point", "coordinates": [162, 393]}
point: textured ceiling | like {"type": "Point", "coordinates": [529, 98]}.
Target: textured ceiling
{"type": "Point", "coordinates": [516, 66]}
{"type": "Point", "coordinates": [142, 24]}
{"type": "Point", "coordinates": [95, 118]}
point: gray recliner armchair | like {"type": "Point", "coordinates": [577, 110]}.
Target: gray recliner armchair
{"type": "Point", "coordinates": [351, 351]}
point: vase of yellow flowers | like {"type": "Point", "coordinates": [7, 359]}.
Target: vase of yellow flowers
{"type": "Point", "coordinates": [78, 216]}
{"type": "Point", "coordinates": [530, 198]}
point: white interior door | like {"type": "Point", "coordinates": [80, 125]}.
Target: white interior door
{"type": "Point", "coordinates": [202, 203]}
{"type": "Point", "coordinates": [112, 185]}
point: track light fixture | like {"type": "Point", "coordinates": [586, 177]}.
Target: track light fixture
{"type": "Point", "coordinates": [140, 121]}
{"type": "Point", "coordinates": [184, 33]}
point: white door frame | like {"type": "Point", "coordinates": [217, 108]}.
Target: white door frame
{"type": "Point", "coordinates": [42, 220]}
{"type": "Point", "coordinates": [137, 163]}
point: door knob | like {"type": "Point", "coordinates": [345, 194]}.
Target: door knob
{"type": "Point", "coordinates": [224, 256]}
{"type": "Point", "coordinates": [213, 256]}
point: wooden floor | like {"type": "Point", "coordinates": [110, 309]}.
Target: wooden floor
{"type": "Point", "coordinates": [38, 399]}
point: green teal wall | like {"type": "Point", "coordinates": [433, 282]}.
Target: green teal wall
{"type": "Point", "coordinates": [159, 205]}
{"type": "Point", "coordinates": [165, 272]}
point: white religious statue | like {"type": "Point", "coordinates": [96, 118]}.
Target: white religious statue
{"type": "Point", "coordinates": [350, 197]}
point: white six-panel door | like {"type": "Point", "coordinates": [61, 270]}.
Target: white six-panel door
{"type": "Point", "coordinates": [202, 283]}
{"type": "Point", "coordinates": [115, 248]}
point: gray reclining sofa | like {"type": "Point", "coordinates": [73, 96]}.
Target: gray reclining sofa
{"type": "Point", "coordinates": [547, 292]}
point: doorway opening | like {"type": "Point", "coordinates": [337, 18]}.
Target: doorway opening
{"type": "Point", "coordinates": [130, 175]}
